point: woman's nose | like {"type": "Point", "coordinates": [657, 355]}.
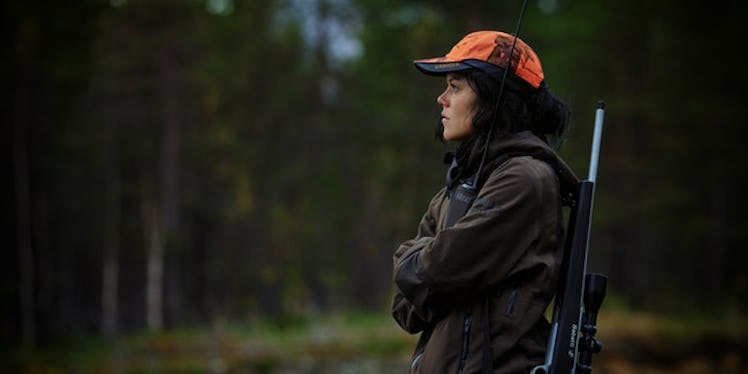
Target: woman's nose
{"type": "Point", "coordinates": [441, 100]}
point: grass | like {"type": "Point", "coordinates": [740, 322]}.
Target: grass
{"type": "Point", "coordinates": [259, 347]}
{"type": "Point", "coordinates": [370, 343]}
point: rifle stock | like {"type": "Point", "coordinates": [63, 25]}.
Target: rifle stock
{"type": "Point", "coordinates": [575, 303]}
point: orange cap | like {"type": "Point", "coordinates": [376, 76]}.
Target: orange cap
{"type": "Point", "coordinates": [492, 47]}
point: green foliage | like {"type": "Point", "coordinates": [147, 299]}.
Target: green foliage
{"type": "Point", "coordinates": [263, 346]}
{"type": "Point", "coordinates": [371, 343]}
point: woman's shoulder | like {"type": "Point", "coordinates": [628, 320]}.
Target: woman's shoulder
{"type": "Point", "coordinates": [524, 167]}
{"type": "Point", "coordinates": [522, 173]}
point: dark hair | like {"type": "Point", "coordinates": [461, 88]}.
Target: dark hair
{"type": "Point", "coordinates": [535, 110]}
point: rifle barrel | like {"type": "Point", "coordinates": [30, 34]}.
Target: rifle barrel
{"type": "Point", "coordinates": [596, 139]}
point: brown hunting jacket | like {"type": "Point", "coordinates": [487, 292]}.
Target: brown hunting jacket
{"type": "Point", "coordinates": [499, 261]}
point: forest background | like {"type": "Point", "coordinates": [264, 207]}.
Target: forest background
{"type": "Point", "coordinates": [175, 164]}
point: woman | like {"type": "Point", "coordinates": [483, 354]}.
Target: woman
{"type": "Point", "coordinates": [476, 283]}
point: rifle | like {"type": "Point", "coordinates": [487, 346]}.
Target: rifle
{"type": "Point", "coordinates": [580, 294]}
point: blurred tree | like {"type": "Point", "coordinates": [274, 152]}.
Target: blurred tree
{"type": "Point", "coordinates": [45, 60]}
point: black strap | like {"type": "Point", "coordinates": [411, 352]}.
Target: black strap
{"type": "Point", "coordinates": [487, 351]}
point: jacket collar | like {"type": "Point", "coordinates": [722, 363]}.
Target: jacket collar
{"type": "Point", "coordinates": [469, 154]}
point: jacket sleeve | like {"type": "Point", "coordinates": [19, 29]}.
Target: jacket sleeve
{"type": "Point", "coordinates": [464, 261]}
{"type": "Point", "coordinates": [404, 312]}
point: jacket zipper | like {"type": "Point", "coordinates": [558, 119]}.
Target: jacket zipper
{"type": "Point", "coordinates": [415, 360]}
{"type": "Point", "coordinates": [510, 303]}
{"type": "Point", "coordinates": [465, 342]}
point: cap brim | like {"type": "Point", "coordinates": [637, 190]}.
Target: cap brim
{"type": "Point", "coordinates": [438, 66]}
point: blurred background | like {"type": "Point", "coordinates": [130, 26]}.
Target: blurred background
{"type": "Point", "coordinates": [219, 185]}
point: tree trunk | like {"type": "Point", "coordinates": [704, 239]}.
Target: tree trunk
{"type": "Point", "coordinates": [110, 266]}
{"type": "Point", "coordinates": [169, 91]}
{"type": "Point", "coordinates": [154, 265]}
{"type": "Point", "coordinates": [21, 170]}
{"type": "Point", "coordinates": [23, 227]}
{"type": "Point", "coordinates": [171, 134]}
{"type": "Point", "coordinates": [161, 218]}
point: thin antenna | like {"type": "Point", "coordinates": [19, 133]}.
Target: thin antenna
{"type": "Point", "coordinates": [501, 91]}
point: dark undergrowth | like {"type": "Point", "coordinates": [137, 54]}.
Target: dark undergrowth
{"type": "Point", "coordinates": [368, 343]}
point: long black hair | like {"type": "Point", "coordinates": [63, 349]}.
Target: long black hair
{"type": "Point", "coordinates": [521, 108]}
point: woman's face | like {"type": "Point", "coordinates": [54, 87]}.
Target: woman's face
{"type": "Point", "coordinates": [458, 108]}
